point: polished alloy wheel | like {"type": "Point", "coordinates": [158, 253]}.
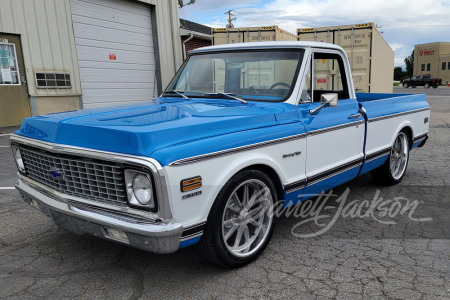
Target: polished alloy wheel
{"type": "Point", "coordinates": [246, 218]}
{"type": "Point", "coordinates": [399, 156]}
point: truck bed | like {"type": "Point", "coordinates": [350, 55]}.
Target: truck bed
{"type": "Point", "coordinates": [378, 104]}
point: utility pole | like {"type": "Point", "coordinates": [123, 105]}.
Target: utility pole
{"type": "Point", "coordinates": [231, 18]}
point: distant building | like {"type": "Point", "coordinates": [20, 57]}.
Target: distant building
{"type": "Point", "coordinates": [433, 59]}
{"type": "Point", "coordinates": [193, 36]}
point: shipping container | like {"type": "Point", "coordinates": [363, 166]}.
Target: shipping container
{"type": "Point", "coordinates": [370, 56]}
{"type": "Point", "coordinates": [222, 36]}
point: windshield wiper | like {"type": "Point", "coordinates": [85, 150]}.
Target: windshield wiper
{"type": "Point", "coordinates": [178, 93]}
{"type": "Point", "coordinates": [229, 95]}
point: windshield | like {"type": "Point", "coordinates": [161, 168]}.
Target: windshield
{"type": "Point", "coordinates": [251, 75]}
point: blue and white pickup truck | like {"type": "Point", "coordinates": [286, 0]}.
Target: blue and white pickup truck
{"type": "Point", "coordinates": [240, 128]}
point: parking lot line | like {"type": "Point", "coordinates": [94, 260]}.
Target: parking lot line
{"type": "Point", "coordinates": [5, 134]}
{"type": "Point", "coordinates": [4, 146]}
{"type": "Point", "coordinates": [7, 188]}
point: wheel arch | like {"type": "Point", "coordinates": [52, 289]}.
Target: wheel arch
{"type": "Point", "coordinates": [273, 175]}
{"type": "Point", "coordinates": [409, 132]}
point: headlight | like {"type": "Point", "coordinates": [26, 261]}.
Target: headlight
{"type": "Point", "coordinates": [139, 189]}
{"type": "Point", "coordinates": [18, 158]}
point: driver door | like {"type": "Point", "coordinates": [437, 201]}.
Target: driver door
{"type": "Point", "coordinates": [335, 134]}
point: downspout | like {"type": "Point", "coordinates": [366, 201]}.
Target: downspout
{"type": "Point", "coordinates": [184, 45]}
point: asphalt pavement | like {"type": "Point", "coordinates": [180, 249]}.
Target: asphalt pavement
{"type": "Point", "coordinates": [400, 250]}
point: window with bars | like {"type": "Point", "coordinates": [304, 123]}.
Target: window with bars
{"type": "Point", "coordinates": [53, 80]}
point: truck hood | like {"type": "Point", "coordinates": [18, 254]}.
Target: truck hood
{"type": "Point", "coordinates": [145, 128]}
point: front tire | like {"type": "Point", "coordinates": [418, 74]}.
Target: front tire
{"type": "Point", "coordinates": [405, 85]}
{"type": "Point", "coordinates": [426, 85]}
{"type": "Point", "coordinates": [395, 166]}
{"type": "Point", "coordinates": [241, 222]}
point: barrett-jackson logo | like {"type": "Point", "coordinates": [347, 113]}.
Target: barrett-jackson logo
{"type": "Point", "coordinates": [426, 52]}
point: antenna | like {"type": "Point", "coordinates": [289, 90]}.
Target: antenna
{"type": "Point", "coordinates": [231, 18]}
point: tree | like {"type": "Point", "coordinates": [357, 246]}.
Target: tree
{"type": "Point", "coordinates": [399, 74]}
{"type": "Point", "coordinates": [409, 62]}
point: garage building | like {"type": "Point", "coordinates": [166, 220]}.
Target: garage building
{"type": "Point", "coordinates": [60, 55]}
{"type": "Point", "coordinates": [433, 59]}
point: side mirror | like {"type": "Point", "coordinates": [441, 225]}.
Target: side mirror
{"type": "Point", "coordinates": [329, 100]}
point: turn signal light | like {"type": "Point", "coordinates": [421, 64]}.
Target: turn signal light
{"type": "Point", "coordinates": [190, 184]}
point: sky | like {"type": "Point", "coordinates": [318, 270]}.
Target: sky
{"type": "Point", "coordinates": [403, 23]}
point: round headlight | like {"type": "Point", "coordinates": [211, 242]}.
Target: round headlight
{"type": "Point", "coordinates": [19, 160]}
{"type": "Point", "coordinates": [142, 189]}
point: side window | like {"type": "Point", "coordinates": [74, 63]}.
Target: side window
{"type": "Point", "coordinates": [329, 76]}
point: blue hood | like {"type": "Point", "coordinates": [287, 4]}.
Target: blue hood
{"type": "Point", "coordinates": [145, 128]}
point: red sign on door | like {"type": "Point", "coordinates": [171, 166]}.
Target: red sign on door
{"type": "Point", "coordinates": [321, 80]}
{"type": "Point", "coordinates": [112, 56]}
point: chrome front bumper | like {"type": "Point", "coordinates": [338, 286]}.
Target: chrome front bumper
{"type": "Point", "coordinates": [157, 237]}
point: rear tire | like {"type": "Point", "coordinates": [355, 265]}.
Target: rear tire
{"type": "Point", "coordinates": [405, 85]}
{"type": "Point", "coordinates": [393, 170]}
{"type": "Point", "coordinates": [241, 222]}
{"type": "Point", "coordinates": [426, 85]}
{"type": "Point", "coordinates": [413, 86]}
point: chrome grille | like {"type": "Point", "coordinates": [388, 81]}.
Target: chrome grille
{"type": "Point", "coordinates": [94, 180]}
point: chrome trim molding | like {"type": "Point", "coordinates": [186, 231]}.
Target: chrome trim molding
{"type": "Point", "coordinates": [295, 186]}
{"type": "Point", "coordinates": [158, 172]}
{"type": "Point", "coordinates": [311, 180]}
{"type": "Point", "coordinates": [333, 128]}
{"type": "Point", "coordinates": [201, 157]}
{"type": "Point", "coordinates": [420, 137]}
{"type": "Point", "coordinates": [398, 114]}
{"type": "Point", "coordinates": [377, 154]}
{"type": "Point", "coordinates": [193, 231]}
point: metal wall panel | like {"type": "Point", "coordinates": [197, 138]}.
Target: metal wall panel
{"type": "Point", "coordinates": [46, 33]}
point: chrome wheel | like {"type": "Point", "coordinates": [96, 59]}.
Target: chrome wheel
{"type": "Point", "coordinates": [247, 220]}
{"type": "Point", "coordinates": [399, 156]}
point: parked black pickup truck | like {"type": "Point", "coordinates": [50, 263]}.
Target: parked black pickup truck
{"type": "Point", "coordinates": [422, 80]}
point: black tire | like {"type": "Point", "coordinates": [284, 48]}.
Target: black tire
{"type": "Point", "coordinates": [413, 86]}
{"type": "Point", "coordinates": [426, 85]}
{"type": "Point", "coordinates": [393, 170]}
{"type": "Point", "coordinates": [220, 243]}
{"type": "Point", "coordinates": [405, 85]}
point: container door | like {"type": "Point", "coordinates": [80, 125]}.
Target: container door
{"type": "Point", "coordinates": [357, 45]}
{"type": "Point", "coordinates": [322, 36]}
{"type": "Point", "coordinates": [259, 36]}
{"type": "Point", "coordinates": [227, 37]}
{"type": "Point", "coordinates": [14, 101]}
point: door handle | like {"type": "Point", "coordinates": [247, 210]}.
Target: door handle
{"type": "Point", "coordinates": [355, 116]}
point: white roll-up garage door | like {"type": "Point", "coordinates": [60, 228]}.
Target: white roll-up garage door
{"type": "Point", "coordinates": [115, 51]}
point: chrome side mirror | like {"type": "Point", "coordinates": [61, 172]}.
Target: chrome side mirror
{"type": "Point", "coordinates": [329, 100]}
